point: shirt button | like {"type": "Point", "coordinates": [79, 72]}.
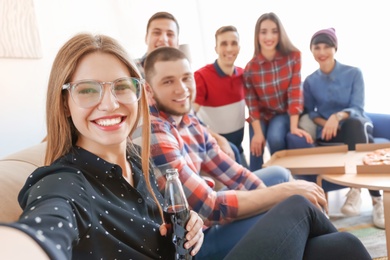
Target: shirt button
{"type": "Point", "coordinates": [139, 200]}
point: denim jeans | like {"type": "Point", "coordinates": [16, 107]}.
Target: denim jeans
{"type": "Point", "coordinates": [236, 152]}
{"type": "Point", "coordinates": [220, 239]}
{"type": "Point", "coordinates": [275, 135]}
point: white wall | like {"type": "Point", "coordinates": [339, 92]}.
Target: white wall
{"type": "Point", "coordinates": [23, 82]}
{"type": "Point", "coordinates": [361, 27]}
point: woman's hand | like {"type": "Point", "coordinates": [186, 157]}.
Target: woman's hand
{"type": "Point", "coordinates": [257, 144]}
{"type": "Point", "coordinates": [330, 128]}
{"type": "Point", "coordinates": [302, 133]}
{"type": "Point", "coordinates": [194, 235]}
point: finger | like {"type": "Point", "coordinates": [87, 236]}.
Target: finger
{"type": "Point", "coordinates": [194, 225]}
{"type": "Point", "coordinates": [299, 134]}
{"type": "Point", "coordinates": [309, 139]}
{"type": "Point", "coordinates": [195, 233]}
{"type": "Point", "coordinates": [258, 151]}
{"type": "Point", "coordinates": [334, 132]}
{"type": "Point", "coordinates": [194, 238]}
{"type": "Point", "coordinates": [255, 150]}
{"type": "Point", "coordinates": [198, 244]}
{"type": "Point", "coordinates": [323, 134]}
{"type": "Point", "coordinates": [192, 220]}
{"type": "Point", "coordinates": [322, 199]}
{"type": "Point", "coordinates": [252, 149]}
{"type": "Point", "coordinates": [163, 230]}
{"type": "Point", "coordinates": [323, 205]}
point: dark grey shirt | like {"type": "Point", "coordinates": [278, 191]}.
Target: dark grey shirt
{"type": "Point", "coordinates": [81, 207]}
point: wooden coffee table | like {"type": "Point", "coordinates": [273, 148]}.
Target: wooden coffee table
{"type": "Point", "coordinates": [340, 166]}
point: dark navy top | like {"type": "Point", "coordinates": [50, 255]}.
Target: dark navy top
{"type": "Point", "coordinates": [81, 207]}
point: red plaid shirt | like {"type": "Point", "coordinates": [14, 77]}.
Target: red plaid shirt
{"type": "Point", "coordinates": [190, 148]}
{"type": "Point", "coordinates": [273, 87]}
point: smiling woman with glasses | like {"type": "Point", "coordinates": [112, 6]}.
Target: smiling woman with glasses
{"type": "Point", "coordinates": [96, 187]}
{"type": "Point", "coordinates": [88, 93]}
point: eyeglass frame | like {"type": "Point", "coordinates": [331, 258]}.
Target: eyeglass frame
{"type": "Point", "coordinates": [70, 85]}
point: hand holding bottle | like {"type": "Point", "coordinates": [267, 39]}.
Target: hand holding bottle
{"type": "Point", "coordinates": [176, 213]}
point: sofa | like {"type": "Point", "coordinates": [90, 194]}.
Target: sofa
{"type": "Point", "coordinates": [381, 124]}
{"type": "Point", "coordinates": [15, 168]}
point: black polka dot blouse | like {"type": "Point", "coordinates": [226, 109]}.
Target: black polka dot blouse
{"type": "Point", "coordinates": [81, 207]}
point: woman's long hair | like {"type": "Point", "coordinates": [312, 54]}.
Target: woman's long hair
{"type": "Point", "coordinates": [61, 132]}
{"type": "Point", "coordinates": [284, 46]}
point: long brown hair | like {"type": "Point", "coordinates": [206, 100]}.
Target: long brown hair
{"type": "Point", "coordinates": [61, 132]}
{"type": "Point", "coordinates": [284, 46]}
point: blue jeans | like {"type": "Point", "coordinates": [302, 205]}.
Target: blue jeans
{"type": "Point", "coordinates": [275, 134]}
{"type": "Point", "coordinates": [236, 152]}
{"type": "Point", "coordinates": [295, 229]}
{"type": "Point", "coordinates": [220, 239]}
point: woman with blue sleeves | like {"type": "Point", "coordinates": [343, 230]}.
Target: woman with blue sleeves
{"type": "Point", "coordinates": [334, 101]}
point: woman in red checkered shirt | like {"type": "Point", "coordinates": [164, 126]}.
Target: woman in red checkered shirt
{"type": "Point", "coordinates": [273, 91]}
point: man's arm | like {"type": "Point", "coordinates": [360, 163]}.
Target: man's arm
{"type": "Point", "coordinates": [222, 141]}
{"type": "Point", "coordinates": [260, 200]}
{"type": "Point", "coordinates": [169, 150]}
{"type": "Point", "coordinates": [247, 195]}
{"type": "Point", "coordinates": [223, 144]}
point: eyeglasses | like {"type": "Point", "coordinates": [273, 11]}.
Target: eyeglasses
{"type": "Point", "coordinates": [89, 93]}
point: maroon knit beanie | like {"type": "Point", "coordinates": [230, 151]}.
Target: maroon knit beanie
{"type": "Point", "coordinates": [327, 36]}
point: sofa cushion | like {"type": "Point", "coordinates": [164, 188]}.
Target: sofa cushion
{"type": "Point", "coordinates": [308, 125]}
{"type": "Point", "coordinates": [14, 170]}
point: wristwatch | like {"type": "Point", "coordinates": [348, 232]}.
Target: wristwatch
{"type": "Point", "coordinates": [339, 116]}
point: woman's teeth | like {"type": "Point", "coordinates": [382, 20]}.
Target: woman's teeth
{"type": "Point", "coordinates": [108, 122]}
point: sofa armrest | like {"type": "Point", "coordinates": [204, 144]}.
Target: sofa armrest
{"type": "Point", "coordinates": [381, 124]}
{"type": "Point", "coordinates": [14, 170]}
{"type": "Point", "coordinates": [13, 175]}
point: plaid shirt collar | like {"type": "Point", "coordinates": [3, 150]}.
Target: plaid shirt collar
{"type": "Point", "coordinates": [261, 59]}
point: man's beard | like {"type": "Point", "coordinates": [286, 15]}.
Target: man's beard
{"type": "Point", "coordinates": [168, 110]}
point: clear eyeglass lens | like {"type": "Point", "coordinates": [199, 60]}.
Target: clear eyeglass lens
{"type": "Point", "coordinates": [89, 93]}
{"type": "Point", "coordinates": [127, 90]}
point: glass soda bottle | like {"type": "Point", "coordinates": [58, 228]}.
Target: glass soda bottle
{"type": "Point", "coordinates": [176, 213]}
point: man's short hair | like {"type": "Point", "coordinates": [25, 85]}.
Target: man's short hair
{"type": "Point", "coordinates": [161, 54]}
{"type": "Point", "coordinates": [223, 29]}
{"type": "Point", "coordinates": [162, 15]}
